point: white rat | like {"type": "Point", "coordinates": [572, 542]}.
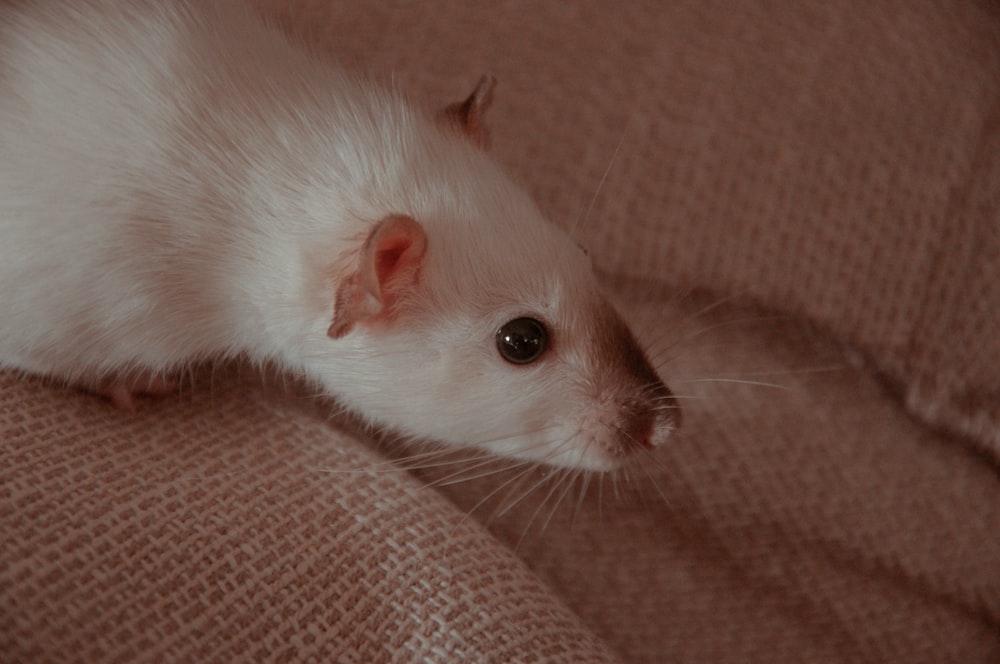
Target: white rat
{"type": "Point", "coordinates": [178, 182]}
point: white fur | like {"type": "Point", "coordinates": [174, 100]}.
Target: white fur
{"type": "Point", "coordinates": [177, 182]}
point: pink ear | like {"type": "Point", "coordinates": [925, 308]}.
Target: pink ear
{"type": "Point", "coordinates": [468, 116]}
{"type": "Point", "coordinates": [389, 265]}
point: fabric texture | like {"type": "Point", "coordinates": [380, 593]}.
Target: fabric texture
{"type": "Point", "coordinates": [797, 206]}
{"type": "Point", "coordinates": [230, 526]}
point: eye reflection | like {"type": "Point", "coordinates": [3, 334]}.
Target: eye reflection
{"type": "Point", "coordinates": [522, 340]}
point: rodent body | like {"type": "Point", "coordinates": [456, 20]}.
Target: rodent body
{"type": "Point", "coordinates": [178, 182]}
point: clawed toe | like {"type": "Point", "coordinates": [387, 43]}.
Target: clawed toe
{"type": "Point", "coordinates": [121, 391]}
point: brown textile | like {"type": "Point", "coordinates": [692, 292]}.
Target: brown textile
{"type": "Point", "coordinates": [836, 164]}
{"type": "Point", "coordinates": [228, 526]}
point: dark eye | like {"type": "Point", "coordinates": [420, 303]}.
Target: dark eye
{"type": "Point", "coordinates": [522, 340]}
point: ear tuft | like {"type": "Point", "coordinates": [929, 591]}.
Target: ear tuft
{"type": "Point", "coordinates": [389, 265]}
{"type": "Point", "coordinates": [468, 116]}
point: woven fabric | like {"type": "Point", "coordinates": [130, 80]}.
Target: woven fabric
{"type": "Point", "coordinates": [228, 526]}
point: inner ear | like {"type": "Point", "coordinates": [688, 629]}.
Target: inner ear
{"type": "Point", "coordinates": [389, 265]}
{"type": "Point", "coordinates": [468, 116]}
{"type": "Point", "coordinates": [392, 256]}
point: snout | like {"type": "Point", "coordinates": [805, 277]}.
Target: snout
{"type": "Point", "coordinates": [648, 424]}
{"type": "Point", "coordinates": [666, 408]}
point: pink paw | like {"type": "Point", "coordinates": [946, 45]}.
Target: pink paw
{"type": "Point", "coordinates": [122, 391]}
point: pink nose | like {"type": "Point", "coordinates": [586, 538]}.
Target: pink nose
{"type": "Point", "coordinates": [638, 434]}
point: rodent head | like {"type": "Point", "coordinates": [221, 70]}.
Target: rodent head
{"type": "Point", "coordinates": [521, 356]}
{"type": "Point", "coordinates": [466, 318]}
{"type": "Point", "coordinates": [493, 333]}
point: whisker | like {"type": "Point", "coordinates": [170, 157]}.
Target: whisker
{"type": "Point", "coordinates": [600, 184]}
{"type": "Point", "coordinates": [682, 396]}
{"type": "Point", "coordinates": [534, 515]}
{"type": "Point", "coordinates": [652, 480]}
{"type": "Point", "coordinates": [524, 495]}
{"type": "Point", "coordinates": [389, 465]}
{"type": "Point", "coordinates": [481, 458]}
{"type": "Point", "coordinates": [382, 467]}
{"type": "Point", "coordinates": [474, 461]}
{"type": "Point", "coordinates": [528, 468]}
{"type": "Point", "coordinates": [437, 452]}
{"type": "Point", "coordinates": [600, 498]}
{"type": "Point", "coordinates": [796, 372]}
{"type": "Point", "coordinates": [711, 307]}
{"type": "Point", "coordinates": [504, 503]}
{"type": "Point", "coordinates": [555, 451]}
{"type": "Point", "coordinates": [408, 463]}
{"type": "Point", "coordinates": [450, 481]}
{"type": "Point", "coordinates": [737, 381]}
{"type": "Point", "coordinates": [625, 469]}
{"type": "Point", "coordinates": [508, 437]}
{"type": "Point", "coordinates": [583, 494]}
{"type": "Point", "coordinates": [463, 472]}
{"type": "Point", "coordinates": [657, 357]}
{"type": "Point", "coordinates": [569, 478]}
